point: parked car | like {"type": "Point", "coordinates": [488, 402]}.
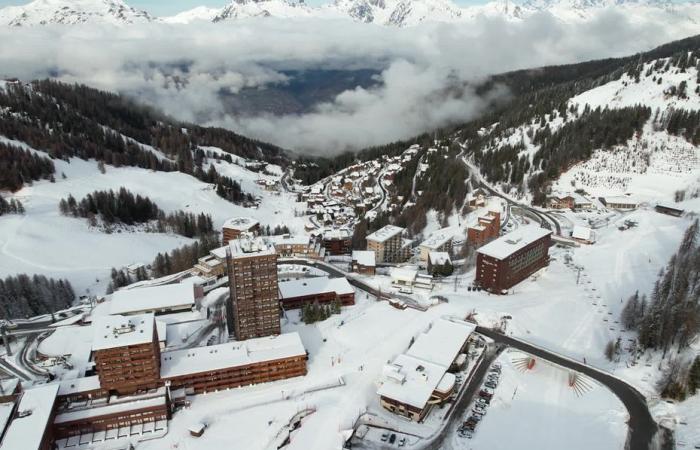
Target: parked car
{"type": "Point", "coordinates": [475, 417]}
{"type": "Point", "coordinates": [479, 410]}
{"type": "Point", "coordinates": [481, 401]}
{"type": "Point", "coordinates": [385, 437]}
{"type": "Point", "coordinates": [490, 385]}
{"type": "Point", "coordinates": [402, 442]}
{"type": "Point", "coordinates": [392, 438]}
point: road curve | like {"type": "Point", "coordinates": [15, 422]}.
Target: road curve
{"type": "Point", "coordinates": [642, 427]}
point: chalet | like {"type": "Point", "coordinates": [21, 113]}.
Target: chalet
{"type": "Point", "coordinates": [582, 234]}
{"type": "Point", "coordinates": [363, 262]}
{"type": "Point", "coordinates": [622, 202]}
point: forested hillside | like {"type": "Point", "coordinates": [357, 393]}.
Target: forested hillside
{"type": "Point", "coordinates": [76, 121]}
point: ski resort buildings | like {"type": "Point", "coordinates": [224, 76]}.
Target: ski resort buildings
{"type": "Point", "coordinates": [322, 290]}
{"type": "Point", "coordinates": [364, 262]}
{"type": "Point", "coordinates": [234, 228]}
{"type": "Point", "coordinates": [337, 241]}
{"type": "Point", "coordinates": [423, 376]}
{"type": "Point", "coordinates": [486, 229]}
{"type": "Point", "coordinates": [440, 241]}
{"type": "Point", "coordinates": [507, 261]}
{"type": "Point", "coordinates": [252, 272]}
{"type": "Point", "coordinates": [166, 299]}
{"type": "Point", "coordinates": [388, 244]}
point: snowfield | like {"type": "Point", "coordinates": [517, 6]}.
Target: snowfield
{"type": "Point", "coordinates": [537, 408]}
{"type": "Point", "coordinates": [43, 241]}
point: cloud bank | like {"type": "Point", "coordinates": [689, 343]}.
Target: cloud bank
{"type": "Point", "coordinates": [425, 71]}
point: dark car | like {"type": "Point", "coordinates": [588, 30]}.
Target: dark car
{"type": "Point", "coordinates": [392, 438]}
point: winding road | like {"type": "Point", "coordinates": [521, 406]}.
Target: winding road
{"type": "Point", "coordinates": [642, 427]}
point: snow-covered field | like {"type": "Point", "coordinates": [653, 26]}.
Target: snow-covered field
{"type": "Point", "coordinates": [537, 408]}
{"type": "Point", "coordinates": [45, 242]}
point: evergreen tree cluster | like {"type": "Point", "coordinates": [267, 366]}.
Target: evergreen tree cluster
{"type": "Point", "coordinates": [315, 312]}
{"type": "Point", "coordinates": [122, 277]}
{"type": "Point", "coordinates": [24, 296]}
{"type": "Point", "coordinates": [123, 207]}
{"type": "Point", "coordinates": [19, 166]}
{"type": "Point", "coordinates": [12, 207]}
{"type": "Point", "coordinates": [185, 257]}
{"type": "Point", "coordinates": [671, 316]}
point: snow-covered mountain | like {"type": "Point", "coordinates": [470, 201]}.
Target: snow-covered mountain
{"type": "Point", "coordinates": [397, 12]}
{"type": "Point", "coordinates": [198, 14]}
{"type": "Point", "coordinates": [242, 9]}
{"type": "Point", "coordinates": [71, 12]}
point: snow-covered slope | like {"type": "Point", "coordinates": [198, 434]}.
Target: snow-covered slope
{"type": "Point", "coordinates": [71, 12]}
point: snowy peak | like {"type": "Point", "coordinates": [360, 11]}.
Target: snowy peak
{"type": "Point", "coordinates": [241, 9]}
{"type": "Point", "coordinates": [71, 12]}
{"type": "Point", "coordinates": [398, 12]}
{"type": "Point", "coordinates": [198, 14]}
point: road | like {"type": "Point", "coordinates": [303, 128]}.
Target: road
{"type": "Point", "coordinates": [546, 219]}
{"type": "Point", "coordinates": [642, 427]}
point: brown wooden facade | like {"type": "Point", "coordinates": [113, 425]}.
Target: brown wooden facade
{"type": "Point", "coordinates": [130, 368]}
{"type": "Point", "coordinates": [233, 377]}
{"type": "Point", "coordinates": [499, 275]}
{"type": "Point", "coordinates": [322, 298]}
{"type": "Point", "coordinates": [254, 301]}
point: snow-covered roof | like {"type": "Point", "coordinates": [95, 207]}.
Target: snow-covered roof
{"type": "Point", "coordinates": [411, 380]}
{"type": "Point", "coordinates": [232, 354]}
{"type": "Point", "coordinates": [337, 233]}
{"type": "Point", "coordinates": [155, 298]}
{"type": "Point", "coordinates": [621, 199]}
{"type": "Point", "coordinates": [27, 432]}
{"type": "Point", "coordinates": [442, 342]}
{"type": "Point", "coordinates": [240, 223]}
{"type": "Point", "coordinates": [250, 246]}
{"type": "Point", "coordinates": [313, 286]}
{"type": "Point", "coordinates": [583, 233]}
{"type": "Point", "coordinates": [506, 245]}
{"type": "Point", "coordinates": [404, 274]}
{"type": "Point", "coordinates": [365, 258]}
{"type": "Point", "coordinates": [119, 331]}
{"type": "Point", "coordinates": [385, 233]}
{"type": "Point", "coordinates": [109, 409]}
{"type": "Point", "coordinates": [439, 258]}
{"type": "Point", "coordinates": [437, 239]}
{"type": "Point", "coordinates": [300, 239]}
{"type": "Point", "coordinates": [78, 385]}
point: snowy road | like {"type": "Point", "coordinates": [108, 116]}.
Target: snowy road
{"type": "Point", "coordinates": [642, 427]}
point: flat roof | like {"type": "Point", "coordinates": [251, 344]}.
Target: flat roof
{"type": "Point", "coordinates": [437, 239]}
{"type": "Point", "coordinates": [313, 286]}
{"type": "Point", "coordinates": [231, 354]}
{"type": "Point", "coordinates": [385, 233]}
{"type": "Point", "coordinates": [300, 239]}
{"type": "Point", "coordinates": [240, 223]}
{"type": "Point", "coordinates": [27, 432]}
{"type": "Point", "coordinates": [110, 408]}
{"type": "Point", "coordinates": [155, 298]}
{"type": "Point", "coordinates": [410, 380]}
{"type": "Point", "coordinates": [442, 342]}
{"type": "Point", "coordinates": [250, 246]}
{"type": "Point", "coordinates": [78, 385]}
{"type": "Point", "coordinates": [580, 232]}
{"type": "Point", "coordinates": [404, 273]}
{"type": "Point", "coordinates": [624, 199]}
{"type": "Point", "coordinates": [439, 257]}
{"type": "Point", "coordinates": [337, 233]}
{"type": "Point", "coordinates": [506, 245]}
{"type": "Point", "coordinates": [119, 331]}
{"type": "Point", "coordinates": [365, 257]}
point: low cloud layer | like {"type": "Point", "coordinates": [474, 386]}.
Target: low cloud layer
{"type": "Point", "coordinates": [425, 71]}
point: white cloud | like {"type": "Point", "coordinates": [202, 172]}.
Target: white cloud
{"type": "Point", "coordinates": [425, 80]}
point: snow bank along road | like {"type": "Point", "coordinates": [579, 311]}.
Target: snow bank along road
{"type": "Point", "coordinates": [642, 427]}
